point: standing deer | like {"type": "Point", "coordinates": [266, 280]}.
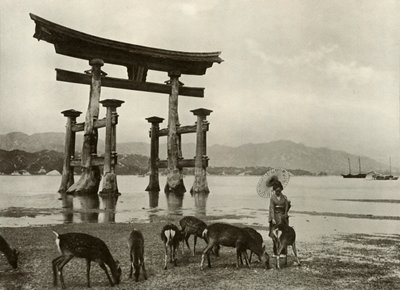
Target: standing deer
{"type": "Point", "coordinates": [171, 237]}
{"type": "Point", "coordinates": [10, 253]}
{"type": "Point", "coordinates": [136, 253]}
{"type": "Point", "coordinates": [84, 246]}
{"type": "Point", "coordinates": [231, 236]}
{"type": "Point", "coordinates": [192, 226]}
{"type": "Point", "coordinates": [285, 236]}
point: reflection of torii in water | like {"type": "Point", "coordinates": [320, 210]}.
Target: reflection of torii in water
{"type": "Point", "coordinates": [138, 60]}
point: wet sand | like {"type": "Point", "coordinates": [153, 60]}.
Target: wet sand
{"type": "Point", "coordinates": [352, 260]}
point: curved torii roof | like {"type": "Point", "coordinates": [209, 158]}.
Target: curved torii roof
{"type": "Point", "coordinates": [85, 46]}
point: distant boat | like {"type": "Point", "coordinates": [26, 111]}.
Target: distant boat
{"type": "Point", "coordinates": [378, 176]}
{"type": "Point", "coordinates": [359, 175]}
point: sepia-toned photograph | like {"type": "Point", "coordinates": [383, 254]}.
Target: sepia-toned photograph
{"type": "Point", "coordinates": [213, 144]}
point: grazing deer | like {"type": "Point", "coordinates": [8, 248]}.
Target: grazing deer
{"type": "Point", "coordinates": [285, 236]}
{"type": "Point", "coordinates": [171, 237]}
{"type": "Point", "coordinates": [256, 236]}
{"type": "Point", "coordinates": [231, 236]}
{"type": "Point", "coordinates": [136, 253]}
{"type": "Point", "coordinates": [192, 226]}
{"type": "Point", "coordinates": [84, 246]}
{"type": "Point", "coordinates": [10, 253]}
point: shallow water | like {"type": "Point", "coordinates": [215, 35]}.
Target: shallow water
{"type": "Point", "coordinates": [33, 200]}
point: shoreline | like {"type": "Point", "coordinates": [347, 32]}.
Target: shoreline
{"type": "Point", "coordinates": [349, 261]}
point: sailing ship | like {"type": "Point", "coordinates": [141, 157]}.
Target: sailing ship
{"type": "Point", "coordinates": [378, 176]}
{"type": "Point", "coordinates": [359, 175]}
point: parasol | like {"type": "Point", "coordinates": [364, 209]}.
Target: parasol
{"type": "Point", "coordinates": [264, 186]}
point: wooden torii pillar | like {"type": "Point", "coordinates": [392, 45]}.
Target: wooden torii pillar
{"type": "Point", "coordinates": [174, 188]}
{"type": "Point", "coordinates": [200, 188]}
{"type": "Point", "coordinates": [154, 185]}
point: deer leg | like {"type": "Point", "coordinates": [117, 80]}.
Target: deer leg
{"type": "Point", "coordinates": [171, 254]}
{"type": "Point", "coordinates": [60, 266]}
{"type": "Point", "coordinates": [103, 266]}
{"type": "Point", "coordinates": [194, 245]}
{"type": "Point", "coordinates": [187, 236]}
{"type": "Point", "coordinates": [166, 257]}
{"type": "Point", "coordinates": [137, 270]}
{"type": "Point", "coordinates": [175, 251]}
{"type": "Point", "coordinates": [144, 269]}
{"type": "Point", "coordinates": [286, 255]}
{"type": "Point", "coordinates": [295, 253]}
{"type": "Point", "coordinates": [238, 257]}
{"type": "Point", "coordinates": [246, 258]}
{"type": "Point", "coordinates": [281, 247]}
{"type": "Point", "coordinates": [54, 263]}
{"type": "Point", "coordinates": [206, 251]}
{"type": "Point", "coordinates": [131, 268]}
{"type": "Point", "coordinates": [251, 254]}
{"type": "Point", "coordinates": [216, 250]}
{"type": "Point", "coordinates": [88, 262]}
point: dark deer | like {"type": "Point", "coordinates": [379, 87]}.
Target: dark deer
{"type": "Point", "coordinates": [84, 246]}
{"type": "Point", "coordinates": [285, 236]}
{"type": "Point", "coordinates": [192, 226]}
{"type": "Point", "coordinates": [10, 253]}
{"type": "Point", "coordinates": [171, 237]}
{"type": "Point", "coordinates": [256, 237]}
{"type": "Point", "coordinates": [136, 253]}
{"type": "Point", "coordinates": [231, 236]}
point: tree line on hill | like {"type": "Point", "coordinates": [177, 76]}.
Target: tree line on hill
{"type": "Point", "coordinates": [128, 164]}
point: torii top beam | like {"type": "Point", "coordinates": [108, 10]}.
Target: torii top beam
{"type": "Point", "coordinates": [74, 43]}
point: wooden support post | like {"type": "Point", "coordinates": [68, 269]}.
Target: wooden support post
{"type": "Point", "coordinates": [200, 188]}
{"type": "Point", "coordinates": [88, 184]}
{"type": "Point", "coordinates": [67, 178]}
{"type": "Point", "coordinates": [174, 188]}
{"type": "Point", "coordinates": [109, 194]}
{"type": "Point", "coordinates": [154, 186]}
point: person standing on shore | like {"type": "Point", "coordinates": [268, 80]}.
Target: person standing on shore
{"type": "Point", "coordinates": [279, 206]}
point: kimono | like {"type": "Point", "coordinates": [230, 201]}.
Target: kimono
{"type": "Point", "coordinates": [278, 208]}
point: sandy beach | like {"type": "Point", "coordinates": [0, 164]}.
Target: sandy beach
{"type": "Point", "coordinates": [333, 261]}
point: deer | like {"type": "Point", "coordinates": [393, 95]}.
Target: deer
{"type": "Point", "coordinates": [285, 236]}
{"type": "Point", "coordinates": [192, 226]}
{"type": "Point", "coordinates": [10, 253]}
{"type": "Point", "coordinates": [81, 245]}
{"type": "Point", "coordinates": [232, 236]}
{"type": "Point", "coordinates": [256, 236]}
{"type": "Point", "coordinates": [136, 253]}
{"type": "Point", "coordinates": [171, 237]}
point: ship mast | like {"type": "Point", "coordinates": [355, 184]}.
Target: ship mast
{"type": "Point", "coordinates": [348, 158]}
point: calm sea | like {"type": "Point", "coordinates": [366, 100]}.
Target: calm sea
{"type": "Point", "coordinates": [323, 203]}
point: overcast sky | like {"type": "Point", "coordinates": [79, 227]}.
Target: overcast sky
{"type": "Point", "coordinates": [322, 73]}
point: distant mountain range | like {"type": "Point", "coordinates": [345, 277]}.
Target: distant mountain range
{"type": "Point", "coordinates": [282, 153]}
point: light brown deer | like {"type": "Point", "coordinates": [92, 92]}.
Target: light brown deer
{"type": "Point", "coordinates": [87, 247]}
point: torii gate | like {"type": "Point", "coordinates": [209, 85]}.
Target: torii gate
{"type": "Point", "coordinates": [138, 60]}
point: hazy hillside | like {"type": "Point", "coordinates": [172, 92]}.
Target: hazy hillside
{"type": "Point", "coordinates": [286, 154]}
